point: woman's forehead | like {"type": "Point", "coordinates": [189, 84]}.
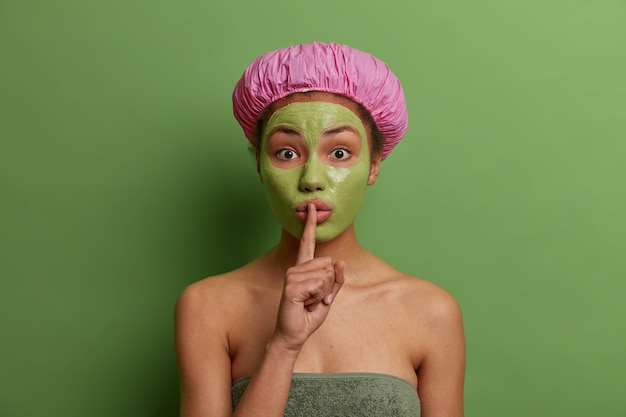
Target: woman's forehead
{"type": "Point", "coordinates": [327, 109]}
{"type": "Point", "coordinates": [313, 116]}
{"type": "Point", "coordinates": [316, 96]}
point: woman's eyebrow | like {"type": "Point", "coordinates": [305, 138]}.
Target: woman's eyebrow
{"type": "Point", "coordinates": [338, 129]}
{"type": "Point", "coordinates": [287, 130]}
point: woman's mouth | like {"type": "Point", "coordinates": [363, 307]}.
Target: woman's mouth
{"type": "Point", "coordinates": [322, 208]}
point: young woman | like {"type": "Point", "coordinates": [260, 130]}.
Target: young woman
{"type": "Point", "coordinates": [319, 326]}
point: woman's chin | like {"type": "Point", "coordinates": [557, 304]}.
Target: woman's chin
{"type": "Point", "coordinates": [327, 232]}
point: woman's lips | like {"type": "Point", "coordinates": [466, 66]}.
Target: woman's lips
{"type": "Point", "coordinates": [322, 208]}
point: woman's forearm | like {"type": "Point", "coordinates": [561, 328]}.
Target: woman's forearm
{"type": "Point", "coordinates": [267, 392]}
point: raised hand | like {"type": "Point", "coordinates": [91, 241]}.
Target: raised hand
{"type": "Point", "coordinates": [310, 287]}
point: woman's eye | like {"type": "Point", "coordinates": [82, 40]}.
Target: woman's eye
{"type": "Point", "coordinates": [340, 154]}
{"type": "Point", "coordinates": [287, 154]}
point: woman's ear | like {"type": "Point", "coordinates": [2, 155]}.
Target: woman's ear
{"type": "Point", "coordinates": [374, 167]}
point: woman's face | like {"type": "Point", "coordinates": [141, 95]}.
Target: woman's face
{"type": "Point", "coordinates": [316, 151]}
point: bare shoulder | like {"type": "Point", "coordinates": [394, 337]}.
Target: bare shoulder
{"type": "Point", "coordinates": [201, 309]}
{"type": "Point", "coordinates": [210, 290]}
{"type": "Point", "coordinates": [416, 296]}
{"type": "Point", "coordinates": [214, 297]}
{"type": "Point", "coordinates": [431, 301]}
{"type": "Point", "coordinates": [218, 305]}
{"type": "Point", "coordinates": [204, 295]}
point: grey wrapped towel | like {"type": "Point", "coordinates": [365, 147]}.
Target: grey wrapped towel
{"type": "Point", "coordinates": [345, 395]}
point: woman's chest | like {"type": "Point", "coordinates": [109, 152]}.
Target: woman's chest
{"type": "Point", "coordinates": [353, 338]}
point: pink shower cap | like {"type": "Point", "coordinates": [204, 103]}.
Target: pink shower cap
{"type": "Point", "coordinates": [327, 67]}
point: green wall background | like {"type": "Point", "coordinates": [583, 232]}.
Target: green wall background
{"type": "Point", "coordinates": [124, 177]}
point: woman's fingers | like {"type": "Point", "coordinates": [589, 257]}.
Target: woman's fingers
{"type": "Point", "coordinates": [337, 282]}
{"type": "Point", "coordinates": [309, 286]}
{"type": "Point", "coordinates": [306, 251]}
{"type": "Point", "coordinates": [324, 262]}
{"type": "Point", "coordinates": [319, 286]}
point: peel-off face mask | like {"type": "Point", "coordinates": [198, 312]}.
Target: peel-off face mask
{"type": "Point", "coordinates": [315, 151]}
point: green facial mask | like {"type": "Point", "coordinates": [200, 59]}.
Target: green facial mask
{"type": "Point", "coordinates": [341, 187]}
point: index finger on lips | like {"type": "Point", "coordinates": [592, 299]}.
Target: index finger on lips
{"type": "Point", "coordinates": [306, 252]}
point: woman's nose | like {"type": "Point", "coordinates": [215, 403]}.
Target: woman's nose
{"type": "Point", "coordinates": [313, 177]}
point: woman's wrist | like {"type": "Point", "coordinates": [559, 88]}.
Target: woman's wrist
{"type": "Point", "coordinates": [282, 347]}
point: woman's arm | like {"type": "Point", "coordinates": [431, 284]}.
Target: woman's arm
{"type": "Point", "coordinates": [202, 353]}
{"type": "Point", "coordinates": [442, 372]}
